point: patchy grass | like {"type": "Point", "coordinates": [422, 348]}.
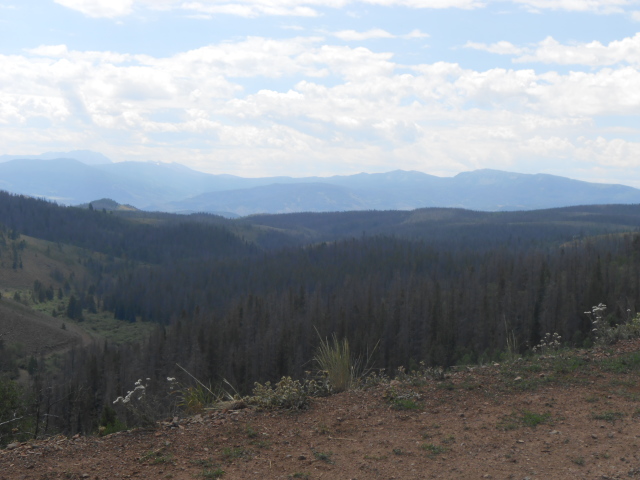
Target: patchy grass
{"type": "Point", "coordinates": [324, 456]}
{"type": "Point", "coordinates": [433, 449]}
{"type": "Point", "coordinates": [217, 473]}
{"type": "Point", "coordinates": [610, 416]}
{"type": "Point", "coordinates": [525, 418]}
{"type": "Point", "coordinates": [157, 457]}
{"type": "Point", "coordinates": [626, 363]}
{"type": "Point", "coordinates": [229, 453]}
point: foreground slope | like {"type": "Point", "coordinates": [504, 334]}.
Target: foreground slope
{"type": "Point", "coordinates": [573, 415]}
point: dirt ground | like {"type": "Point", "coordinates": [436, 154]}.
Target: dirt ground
{"type": "Point", "coordinates": [547, 418]}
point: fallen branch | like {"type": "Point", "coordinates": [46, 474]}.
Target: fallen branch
{"type": "Point", "coordinates": [9, 421]}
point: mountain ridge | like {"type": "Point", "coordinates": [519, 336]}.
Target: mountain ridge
{"type": "Point", "coordinates": [173, 187]}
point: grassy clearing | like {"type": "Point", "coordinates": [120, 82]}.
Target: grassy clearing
{"type": "Point", "coordinates": [99, 325]}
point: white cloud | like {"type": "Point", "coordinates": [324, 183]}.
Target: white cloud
{"type": "Point", "coordinates": [550, 51]}
{"type": "Point", "coordinates": [435, 117]}
{"type": "Point", "coordinates": [100, 8]}
{"type": "Point", "coordinates": [500, 48]}
{"type": "Point", "coordinates": [308, 8]}
{"type": "Point", "coordinates": [598, 6]}
{"type": "Point", "coordinates": [352, 35]}
{"type": "Point", "coordinates": [375, 33]}
{"type": "Point", "coordinates": [593, 54]}
{"type": "Point", "coordinates": [416, 34]}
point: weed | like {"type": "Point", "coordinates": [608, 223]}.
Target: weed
{"type": "Point", "coordinates": [401, 399]}
{"type": "Point", "coordinates": [261, 443]}
{"type": "Point", "coordinates": [373, 457]}
{"type": "Point", "coordinates": [549, 344]}
{"type": "Point", "coordinates": [398, 451]}
{"type": "Point", "coordinates": [579, 461]}
{"type": "Point", "coordinates": [344, 371]}
{"type": "Point", "coordinates": [623, 363]}
{"type": "Point", "coordinates": [532, 419]}
{"type": "Point", "coordinates": [610, 416]}
{"type": "Point", "coordinates": [446, 386]}
{"type": "Point", "coordinates": [322, 429]}
{"type": "Point", "coordinates": [287, 393]}
{"type": "Point", "coordinates": [525, 418]}
{"type": "Point", "coordinates": [404, 404]}
{"type": "Point", "coordinates": [251, 433]}
{"type": "Point", "coordinates": [203, 463]}
{"type": "Point", "coordinates": [156, 457]}
{"type": "Point", "coordinates": [568, 364]}
{"type": "Point", "coordinates": [302, 475]}
{"type": "Point", "coordinates": [449, 439]}
{"type": "Point", "coordinates": [433, 449]}
{"type": "Point", "coordinates": [217, 473]}
{"type": "Point", "coordinates": [230, 454]}
{"type": "Point", "coordinates": [325, 457]}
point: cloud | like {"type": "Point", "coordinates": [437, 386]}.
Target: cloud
{"type": "Point", "coordinates": [352, 35]}
{"type": "Point", "coordinates": [550, 51]}
{"type": "Point", "coordinates": [376, 33]}
{"type": "Point", "coordinates": [310, 8]}
{"type": "Point", "coordinates": [416, 34]}
{"type": "Point", "coordinates": [597, 6]}
{"type": "Point", "coordinates": [499, 48]}
{"type": "Point", "coordinates": [323, 102]}
{"type": "Point", "coordinates": [99, 8]}
{"type": "Point", "coordinates": [592, 54]}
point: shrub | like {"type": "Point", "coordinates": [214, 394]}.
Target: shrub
{"type": "Point", "coordinates": [287, 393]}
{"type": "Point", "coordinates": [604, 333]}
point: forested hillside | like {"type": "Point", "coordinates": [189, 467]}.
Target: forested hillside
{"type": "Point", "coordinates": [242, 299]}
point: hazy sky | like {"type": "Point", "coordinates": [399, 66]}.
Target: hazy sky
{"type": "Point", "coordinates": [323, 87]}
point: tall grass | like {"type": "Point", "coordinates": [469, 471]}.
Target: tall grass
{"type": "Point", "coordinates": [343, 369]}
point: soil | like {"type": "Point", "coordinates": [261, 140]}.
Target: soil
{"type": "Point", "coordinates": [575, 416]}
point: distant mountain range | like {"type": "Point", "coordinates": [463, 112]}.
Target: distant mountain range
{"type": "Point", "coordinates": [85, 156]}
{"type": "Point", "coordinates": [80, 177]}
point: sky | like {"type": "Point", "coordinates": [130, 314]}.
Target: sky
{"type": "Point", "coordinates": [328, 87]}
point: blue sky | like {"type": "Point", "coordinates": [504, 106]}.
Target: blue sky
{"type": "Point", "coordinates": [325, 87]}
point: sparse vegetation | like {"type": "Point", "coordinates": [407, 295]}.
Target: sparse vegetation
{"type": "Point", "coordinates": [609, 416]}
{"type": "Point", "coordinates": [432, 449]}
{"type": "Point", "coordinates": [324, 456]}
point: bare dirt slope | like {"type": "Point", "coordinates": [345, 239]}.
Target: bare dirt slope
{"type": "Point", "coordinates": [549, 418]}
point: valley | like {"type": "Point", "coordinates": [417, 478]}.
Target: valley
{"type": "Point", "coordinates": [95, 300]}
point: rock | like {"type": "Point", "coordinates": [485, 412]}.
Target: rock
{"type": "Point", "coordinates": [11, 446]}
{"type": "Point", "coordinates": [302, 457]}
{"type": "Point", "coordinates": [517, 379]}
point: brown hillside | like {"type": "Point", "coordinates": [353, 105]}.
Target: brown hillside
{"type": "Point", "coordinates": [34, 332]}
{"type": "Point", "coordinates": [567, 416]}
